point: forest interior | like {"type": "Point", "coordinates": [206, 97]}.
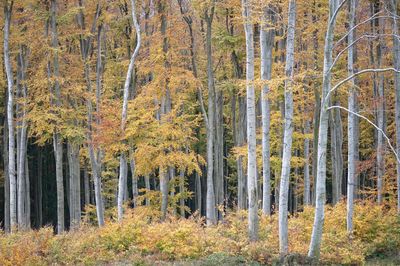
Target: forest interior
{"type": "Point", "coordinates": [200, 132]}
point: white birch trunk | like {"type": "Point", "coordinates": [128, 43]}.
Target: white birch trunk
{"type": "Point", "coordinates": [307, 183]}
{"type": "Point", "coordinates": [21, 143]}
{"type": "Point", "coordinates": [57, 139]}
{"type": "Point", "coordinates": [396, 60]}
{"type": "Point", "coordinates": [135, 189]}
{"type": "Point", "coordinates": [10, 119]}
{"type": "Point", "coordinates": [74, 185]}
{"type": "Point", "coordinates": [266, 45]}
{"type": "Point", "coordinates": [123, 163]}
{"type": "Point", "coordinates": [288, 132]}
{"type": "Point", "coordinates": [6, 176]}
{"type": "Point", "coordinates": [251, 123]}
{"type": "Point", "coordinates": [352, 124]}
{"type": "Point", "coordinates": [210, 197]}
{"type": "Point", "coordinates": [320, 191]}
{"type": "Point", "coordinates": [381, 147]}
{"type": "Point", "coordinates": [86, 186]}
{"type": "Point", "coordinates": [147, 186]}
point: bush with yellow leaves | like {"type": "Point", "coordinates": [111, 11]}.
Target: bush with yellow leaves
{"type": "Point", "coordinates": [142, 238]}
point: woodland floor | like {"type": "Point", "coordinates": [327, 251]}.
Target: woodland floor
{"type": "Point", "coordinates": [141, 239]}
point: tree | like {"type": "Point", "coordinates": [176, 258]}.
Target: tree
{"type": "Point", "coordinates": [57, 138]}
{"type": "Point", "coordinates": [251, 123]}
{"type": "Point", "coordinates": [288, 132]}
{"type": "Point", "coordinates": [10, 117]}
{"type": "Point", "coordinates": [122, 159]}
{"type": "Point", "coordinates": [320, 197]}
{"type": "Point", "coordinates": [267, 35]}
{"type": "Point", "coordinates": [352, 123]}
{"type": "Point", "coordinates": [210, 201]}
{"type": "Point", "coordinates": [392, 5]}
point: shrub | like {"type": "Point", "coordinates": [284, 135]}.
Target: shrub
{"type": "Point", "coordinates": [142, 238]}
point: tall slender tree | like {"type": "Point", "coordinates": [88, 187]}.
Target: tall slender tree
{"type": "Point", "coordinates": [122, 159]}
{"type": "Point", "coordinates": [351, 128]}
{"type": "Point", "coordinates": [57, 138]}
{"type": "Point", "coordinates": [320, 191]}
{"type": "Point", "coordinates": [288, 132]}
{"type": "Point", "coordinates": [251, 122]}
{"type": "Point", "coordinates": [10, 116]}
{"type": "Point", "coordinates": [392, 6]}
{"type": "Point", "coordinates": [210, 200]}
{"type": "Point", "coordinates": [267, 34]}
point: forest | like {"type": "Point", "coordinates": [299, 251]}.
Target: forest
{"type": "Point", "coordinates": [200, 132]}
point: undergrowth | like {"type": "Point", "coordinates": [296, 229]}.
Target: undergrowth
{"type": "Point", "coordinates": [142, 239]}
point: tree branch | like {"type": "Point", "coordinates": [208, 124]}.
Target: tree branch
{"type": "Point", "coordinates": [370, 122]}
{"type": "Point", "coordinates": [372, 36]}
{"type": "Point", "coordinates": [370, 70]}
{"type": "Point", "coordinates": [359, 24]}
{"type": "Point", "coordinates": [333, 17]}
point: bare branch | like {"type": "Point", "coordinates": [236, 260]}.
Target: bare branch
{"type": "Point", "coordinates": [333, 17]}
{"type": "Point", "coordinates": [370, 70]}
{"type": "Point", "coordinates": [361, 23]}
{"type": "Point", "coordinates": [203, 109]}
{"type": "Point", "coordinates": [371, 36]}
{"type": "Point", "coordinates": [370, 122]}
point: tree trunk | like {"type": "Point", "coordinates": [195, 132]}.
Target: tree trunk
{"type": "Point", "coordinates": [166, 107]}
{"type": "Point", "coordinates": [95, 154]}
{"type": "Point", "coordinates": [266, 46]}
{"type": "Point", "coordinates": [210, 202]}
{"type": "Point", "coordinates": [57, 139]}
{"type": "Point", "coordinates": [121, 185]}
{"type": "Point", "coordinates": [147, 186]}
{"type": "Point", "coordinates": [392, 4]}
{"type": "Point", "coordinates": [182, 191]}
{"type": "Point", "coordinates": [380, 155]}
{"type": "Point", "coordinates": [135, 189]}
{"type": "Point", "coordinates": [317, 107]}
{"type": "Point", "coordinates": [320, 197]}
{"type": "Point", "coordinates": [27, 197]}
{"type": "Point", "coordinates": [21, 141]}
{"type": "Point", "coordinates": [7, 228]}
{"type": "Point", "coordinates": [251, 124]}
{"type": "Point", "coordinates": [199, 195]}
{"type": "Point", "coordinates": [10, 119]}
{"type": "Point", "coordinates": [288, 132]}
{"type": "Point", "coordinates": [86, 188]}
{"type": "Point", "coordinates": [240, 136]}
{"type": "Point", "coordinates": [189, 22]}
{"type": "Point", "coordinates": [74, 185]}
{"type": "Point", "coordinates": [352, 123]}
{"type": "Point", "coordinates": [336, 152]}
{"type": "Point", "coordinates": [38, 190]}
{"type": "Point", "coordinates": [219, 151]}
{"type": "Point", "coordinates": [164, 180]}
{"type": "Point", "coordinates": [123, 163]}
{"type": "Point", "coordinates": [307, 188]}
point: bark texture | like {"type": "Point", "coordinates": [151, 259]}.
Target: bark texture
{"type": "Point", "coordinates": [288, 132]}
{"type": "Point", "coordinates": [251, 123]}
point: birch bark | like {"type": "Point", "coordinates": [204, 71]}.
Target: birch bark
{"type": "Point", "coordinates": [251, 123]}
{"type": "Point", "coordinates": [123, 162]}
{"type": "Point", "coordinates": [267, 34]}
{"type": "Point", "coordinates": [352, 123]}
{"type": "Point", "coordinates": [320, 197]}
{"type": "Point", "coordinates": [288, 132]}
{"type": "Point", "coordinates": [210, 200]}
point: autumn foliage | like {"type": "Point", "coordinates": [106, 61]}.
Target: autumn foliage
{"type": "Point", "coordinates": [141, 238]}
